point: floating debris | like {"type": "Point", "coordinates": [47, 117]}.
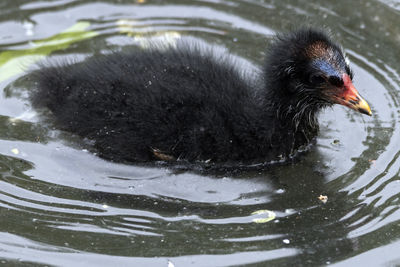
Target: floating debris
{"type": "Point", "coordinates": [323, 198]}
{"type": "Point", "coordinates": [268, 215]}
{"type": "Point", "coordinates": [336, 142]}
{"type": "Point", "coordinates": [286, 241]}
{"type": "Point", "coordinates": [15, 151]}
{"type": "Point", "coordinates": [146, 39]}
{"type": "Point", "coordinates": [160, 155]}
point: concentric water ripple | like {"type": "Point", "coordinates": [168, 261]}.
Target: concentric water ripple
{"type": "Point", "coordinates": [62, 205]}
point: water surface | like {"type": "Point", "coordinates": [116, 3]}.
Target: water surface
{"type": "Point", "coordinates": [61, 205]}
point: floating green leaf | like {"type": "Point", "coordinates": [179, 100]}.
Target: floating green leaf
{"type": "Point", "coordinates": [267, 215]}
{"type": "Point", "coordinates": [13, 62]}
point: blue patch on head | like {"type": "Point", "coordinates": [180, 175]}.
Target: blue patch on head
{"type": "Point", "coordinates": [325, 67]}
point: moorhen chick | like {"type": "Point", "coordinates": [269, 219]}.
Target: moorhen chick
{"type": "Point", "coordinates": [192, 104]}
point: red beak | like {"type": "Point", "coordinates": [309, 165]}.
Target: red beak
{"type": "Point", "coordinates": [351, 98]}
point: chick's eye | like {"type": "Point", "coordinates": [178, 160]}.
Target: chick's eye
{"type": "Point", "coordinates": [316, 79]}
{"type": "Point", "coordinates": [336, 81]}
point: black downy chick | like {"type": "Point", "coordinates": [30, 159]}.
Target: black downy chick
{"type": "Point", "coordinates": [186, 104]}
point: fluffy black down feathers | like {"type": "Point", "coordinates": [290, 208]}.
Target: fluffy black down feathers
{"type": "Point", "coordinates": [181, 103]}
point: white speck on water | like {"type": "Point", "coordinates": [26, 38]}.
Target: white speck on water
{"type": "Point", "coordinates": [280, 191]}
{"type": "Point", "coordinates": [289, 211]}
{"type": "Point", "coordinates": [28, 26]}
{"type": "Point", "coordinates": [286, 241]}
{"type": "Point", "coordinates": [15, 151]}
{"type": "Point", "coordinates": [105, 206]}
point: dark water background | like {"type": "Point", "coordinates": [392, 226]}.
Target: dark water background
{"type": "Point", "coordinates": [61, 205]}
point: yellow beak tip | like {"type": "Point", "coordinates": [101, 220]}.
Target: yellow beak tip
{"type": "Point", "coordinates": [364, 108]}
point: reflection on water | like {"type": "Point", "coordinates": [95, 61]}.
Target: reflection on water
{"type": "Point", "coordinates": [62, 205]}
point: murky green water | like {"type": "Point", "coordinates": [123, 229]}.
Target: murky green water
{"type": "Point", "coordinates": [61, 205]}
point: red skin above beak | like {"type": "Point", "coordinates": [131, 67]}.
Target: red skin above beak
{"type": "Point", "coordinates": [351, 98]}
